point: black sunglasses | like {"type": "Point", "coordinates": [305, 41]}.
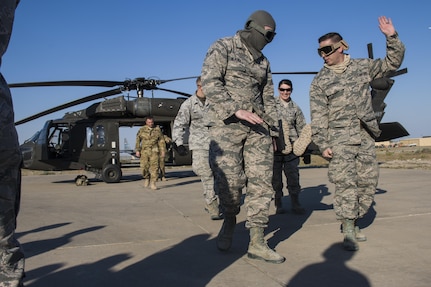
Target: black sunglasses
{"type": "Point", "coordinates": [268, 34]}
{"type": "Point", "coordinates": [285, 90]}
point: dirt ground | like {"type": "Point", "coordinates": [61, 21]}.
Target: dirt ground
{"type": "Point", "coordinates": [398, 157]}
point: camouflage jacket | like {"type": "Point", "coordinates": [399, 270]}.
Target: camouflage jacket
{"type": "Point", "coordinates": [8, 134]}
{"type": "Point", "coordinates": [293, 115]}
{"type": "Point", "coordinates": [189, 125]}
{"type": "Point", "coordinates": [150, 138]}
{"type": "Point", "coordinates": [232, 81]}
{"type": "Point", "coordinates": [341, 103]}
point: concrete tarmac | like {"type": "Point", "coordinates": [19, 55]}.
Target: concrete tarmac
{"type": "Point", "coordinates": [104, 235]}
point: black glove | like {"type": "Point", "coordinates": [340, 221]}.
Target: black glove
{"type": "Point", "coordinates": [182, 150]}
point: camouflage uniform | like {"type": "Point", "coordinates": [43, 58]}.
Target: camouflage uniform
{"type": "Point", "coordinates": [162, 159]}
{"type": "Point", "coordinates": [189, 122]}
{"type": "Point", "coordinates": [150, 143]}
{"type": "Point", "coordinates": [241, 154]}
{"type": "Point", "coordinates": [343, 120]}
{"type": "Point", "coordinates": [292, 114]}
{"type": "Point", "coordinates": [11, 253]}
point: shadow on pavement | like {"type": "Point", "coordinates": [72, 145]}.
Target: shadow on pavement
{"type": "Point", "coordinates": [332, 272]}
{"type": "Point", "coordinates": [195, 261]}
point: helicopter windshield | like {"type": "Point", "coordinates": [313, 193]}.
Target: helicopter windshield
{"type": "Point", "coordinates": [33, 138]}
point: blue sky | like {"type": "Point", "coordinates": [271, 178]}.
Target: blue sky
{"type": "Point", "coordinates": [125, 39]}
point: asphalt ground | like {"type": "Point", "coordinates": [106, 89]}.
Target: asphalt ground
{"type": "Point", "coordinates": [127, 235]}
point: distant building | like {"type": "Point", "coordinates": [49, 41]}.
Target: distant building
{"type": "Point", "coordinates": [420, 142]}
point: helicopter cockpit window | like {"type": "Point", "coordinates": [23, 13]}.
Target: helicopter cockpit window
{"type": "Point", "coordinates": [54, 137]}
{"type": "Point", "coordinates": [96, 138]}
{"type": "Point", "coordinates": [33, 138]}
{"type": "Point", "coordinates": [90, 138]}
{"type": "Point", "coordinates": [100, 136]}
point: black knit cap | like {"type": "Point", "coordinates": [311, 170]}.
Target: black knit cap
{"type": "Point", "coordinates": [262, 18]}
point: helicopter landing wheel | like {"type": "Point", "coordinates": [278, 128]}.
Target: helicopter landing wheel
{"type": "Point", "coordinates": [111, 173]}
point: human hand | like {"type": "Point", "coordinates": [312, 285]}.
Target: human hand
{"type": "Point", "coordinates": [386, 26]}
{"type": "Point", "coordinates": [327, 153]}
{"type": "Point", "coordinates": [249, 117]}
{"type": "Point", "coordinates": [138, 154]}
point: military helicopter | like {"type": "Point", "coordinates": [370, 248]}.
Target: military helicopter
{"type": "Point", "coordinates": [88, 139]}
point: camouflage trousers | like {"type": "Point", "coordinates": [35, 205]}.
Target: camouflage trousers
{"type": "Point", "coordinates": [287, 163]}
{"type": "Point", "coordinates": [149, 164]}
{"type": "Point", "coordinates": [201, 166]}
{"type": "Point", "coordinates": [242, 157]}
{"type": "Point", "coordinates": [11, 253]}
{"type": "Point", "coordinates": [355, 173]}
{"type": "Point", "coordinates": [162, 168]}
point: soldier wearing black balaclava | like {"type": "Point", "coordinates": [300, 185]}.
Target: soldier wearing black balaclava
{"type": "Point", "coordinates": [252, 38]}
{"type": "Point", "coordinates": [237, 81]}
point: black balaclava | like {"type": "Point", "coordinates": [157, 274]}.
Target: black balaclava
{"type": "Point", "coordinates": [252, 38]}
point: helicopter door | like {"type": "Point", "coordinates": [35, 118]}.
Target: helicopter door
{"type": "Point", "coordinates": [101, 145]}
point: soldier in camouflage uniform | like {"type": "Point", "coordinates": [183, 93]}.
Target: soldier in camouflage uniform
{"type": "Point", "coordinates": [150, 145]}
{"type": "Point", "coordinates": [189, 123]}
{"type": "Point", "coordinates": [344, 124]}
{"type": "Point", "coordinates": [237, 81]}
{"type": "Point", "coordinates": [291, 116]}
{"type": "Point", "coordinates": [11, 253]}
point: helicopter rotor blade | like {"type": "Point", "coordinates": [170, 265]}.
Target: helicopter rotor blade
{"type": "Point", "coordinates": [70, 104]}
{"type": "Point", "coordinates": [108, 84]}
{"type": "Point", "coordinates": [175, 92]}
{"type": "Point", "coordinates": [130, 84]}
{"type": "Point", "coordinates": [177, 79]}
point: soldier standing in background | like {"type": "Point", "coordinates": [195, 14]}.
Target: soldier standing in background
{"type": "Point", "coordinates": [150, 145]}
{"type": "Point", "coordinates": [344, 124]}
{"type": "Point", "coordinates": [11, 253]}
{"type": "Point", "coordinates": [189, 121]}
{"type": "Point", "coordinates": [237, 81]}
{"type": "Point", "coordinates": [293, 123]}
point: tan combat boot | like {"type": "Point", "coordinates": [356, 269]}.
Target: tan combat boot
{"type": "Point", "coordinates": [214, 210]}
{"type": "Point", "coordinates": [153, 185]}
{"type": "Point", "coordinates": [258, 249]}
{"type": "Point", "coordinates": [360, 237]}
{"type": "Point", "coordinates": [350, 243]}
{"type": "Point", "coordinates": [146, 182]}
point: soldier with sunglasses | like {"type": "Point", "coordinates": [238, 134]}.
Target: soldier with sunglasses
{"type": "Point", "coordinates": [344, 125]}
{"type": "Point", "coordinates": [285, 159]}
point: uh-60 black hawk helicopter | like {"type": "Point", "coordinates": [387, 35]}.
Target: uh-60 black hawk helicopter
{"type": "Point", "coordinates": [89, 139]}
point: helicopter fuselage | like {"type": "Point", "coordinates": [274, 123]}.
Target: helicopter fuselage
{"type": "Point", "coordinates": [89, 139]}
